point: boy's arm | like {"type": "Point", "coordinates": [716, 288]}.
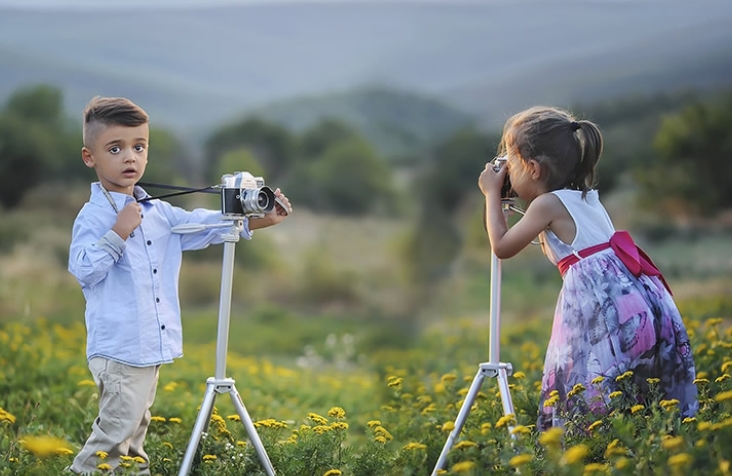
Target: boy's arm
{"type": "Point", "coordinates": [282, 210]}
{"type": "Point", "coordinates": [93, 251]}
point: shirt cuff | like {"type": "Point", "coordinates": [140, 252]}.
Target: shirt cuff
{"type": "Point", "coordinates": [246, 233]}
{"type": "Point", "coordinates": [113, 244]}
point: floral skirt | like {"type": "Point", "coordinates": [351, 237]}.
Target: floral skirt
{"type": "Point", "coordinates": [613, 332]}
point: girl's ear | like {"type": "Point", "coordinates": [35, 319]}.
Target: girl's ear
{"type": "Point", "coordinates": [534, 168]}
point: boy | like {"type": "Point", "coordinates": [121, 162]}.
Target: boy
{"type": "Point", "coordinates": [127, 261]}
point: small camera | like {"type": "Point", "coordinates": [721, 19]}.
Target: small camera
{"type": "Point", "coordinates": [506, 189]}
{"type": "Point", "coordinates": [245, 195]}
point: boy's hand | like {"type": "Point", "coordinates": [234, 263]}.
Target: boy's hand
{"type": "Point", "coordinates": [490, 180]}
{"type": "Point", "coordinates": [128, 219]}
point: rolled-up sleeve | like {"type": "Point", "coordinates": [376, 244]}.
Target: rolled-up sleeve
{"type": "Point", "coordinates": [91, 257]}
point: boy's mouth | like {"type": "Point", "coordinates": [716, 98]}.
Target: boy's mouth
{"type": "Point", "coordinates": [129, 171]}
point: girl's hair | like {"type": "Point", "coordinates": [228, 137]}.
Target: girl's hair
{"type": "Point", "coordinates": [566, 149]}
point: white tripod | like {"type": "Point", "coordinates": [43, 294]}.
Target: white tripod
{"type": "Point", "coordinates": [494, 367]}
{"type": "Point", "coordinates": [219, 383]}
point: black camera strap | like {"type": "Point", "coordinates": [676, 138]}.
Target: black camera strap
{"type": "Point", "coordinates": [181, 190]}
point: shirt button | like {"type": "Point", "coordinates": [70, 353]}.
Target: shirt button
{"type": "Point", "coordinates": [157, 299]}
{"type": "Point", "coordinates": [155, 271]}
{"type": "Point", "coordinates": [162, 327]}
{"type": "Point", "coordinates": [149, 242]}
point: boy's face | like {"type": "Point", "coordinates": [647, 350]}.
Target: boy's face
{"type": "Point", "coordinates": [119, 156]}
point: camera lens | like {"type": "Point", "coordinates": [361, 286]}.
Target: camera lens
{"type": "Point", "coordinates": [263, 200]}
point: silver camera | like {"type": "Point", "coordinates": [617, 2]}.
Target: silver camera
{"type": "Point", "coordinates": [506, 189]}
{"type": "Point", "coordinates": [244, 194]}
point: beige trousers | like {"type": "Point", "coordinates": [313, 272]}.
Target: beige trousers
{"type": "Point", "coordinates": [125, 397]}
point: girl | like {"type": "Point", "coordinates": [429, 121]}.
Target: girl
{"type": "Point", "coordinates": [615, 315]}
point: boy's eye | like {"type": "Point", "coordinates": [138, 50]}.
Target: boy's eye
{"type": "Point", "coordinates": [114, 150]}
{"type": "Point", "coordinates": [139, 147]}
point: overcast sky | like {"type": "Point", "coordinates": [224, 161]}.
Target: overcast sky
{"type": "Point", "coordinates": [180, 3]}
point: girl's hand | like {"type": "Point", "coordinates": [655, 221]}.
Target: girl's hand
{"type": "Point", "coordinates": [490, 180]}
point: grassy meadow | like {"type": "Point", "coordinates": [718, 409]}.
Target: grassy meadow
{"type": "Point", "coordinates": [338, 376]}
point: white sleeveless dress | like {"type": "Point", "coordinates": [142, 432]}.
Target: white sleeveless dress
{"type": "Point", "coordinates": [608, 322]}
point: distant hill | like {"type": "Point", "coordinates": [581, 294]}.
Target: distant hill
{"type": "Point", "coordinates": [196, 67]}
{"type": "Point", "coordinates": [399, 123]}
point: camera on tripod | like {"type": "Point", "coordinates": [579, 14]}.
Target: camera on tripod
{"type": "Point", "coordinates": [243, 194]}
{"type": "Point", "coordinates": [506, 189]}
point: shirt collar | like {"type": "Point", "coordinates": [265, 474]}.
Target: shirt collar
{"type": "Point", "coordinates": [120, 199]}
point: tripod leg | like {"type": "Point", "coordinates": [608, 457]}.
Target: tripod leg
{"type": "Point", "coordinates": [251, 431]}
{"type": "Point", "coordinates": [460, 421]}
{"type": "Point", "coordinates": [204, 415]}
{"type": "Point", "coordinates": [506, 397]}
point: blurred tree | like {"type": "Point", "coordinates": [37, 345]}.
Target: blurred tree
{"type": "Point", "coordinates": [315, 141]}
{"type": "Point", "coordinates": [164, 157]}
{"type": "Point", "coordinates": [239, 160]}
{"type": "Point", "coordinates": [694, 171]}
{"type": "Point", "coordinates": [350, 178]}
{"type": "Point", "coordinates": [41, 104]}
{"type": "Point", "coordinates": [21, 159]}
{"type": "Point", "coordinates": [271, 144]}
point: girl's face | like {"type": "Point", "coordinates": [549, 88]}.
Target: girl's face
{"type": "Point", "coordinates": [525, 177]}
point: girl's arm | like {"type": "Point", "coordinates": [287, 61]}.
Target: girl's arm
{"type": "Point", "coordinates": [539, 215]}
{"type": "Point", "coordinates": [507, 242]}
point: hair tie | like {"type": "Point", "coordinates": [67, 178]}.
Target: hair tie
{"type": "Point", "coordinates": [574, 125]}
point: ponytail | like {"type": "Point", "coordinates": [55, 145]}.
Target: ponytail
{"type": "Point", "coordinates": [590, 142]}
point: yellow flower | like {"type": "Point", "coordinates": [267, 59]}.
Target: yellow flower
{"type": "Point", "coordinates": [576, 390]}
{"type": "Point", "coordinates": [168, 444]}
{"type": "Point", "coordinates": [681, 459]}
{"type": "Point", "coordinates": [463, 467]}
{"type": "Point", "coordinates": [415, 446]}
{"type": "Point", "coordinates": [594, 425]}
{"type": "Point", "coordinates": [44, 446]}
{"type": "Point", "coordinates": [209, 457]}
{"type": "Point", "coordinates": [723, 396]}
{"type": "Point", "coordinates": [339, 425]}
{"type": "Point", "coordinates": [636, 408]}
{"type": "Point", "coordinates": [317, 419]}
{"type": "Point", "coordinates": [63, 451]}
{"type": "Point", "coordinates": [703, 425]}
{"type": "Point", "coordinates": [551, 401]}
{"type": "Point", "coordinates": [597, 380]}
{"type": "Point", "coordinates": [337, 412]}
{"type": "Point", "coordinates": [722, 378]}
{"type": "Point", "coordinates": [505, 420]}
{"type": "Point", "coordinates": [622, 463]}
{"type": "Point", "coordinates": [614, 449]}
{"type": "Point", "coordinates": [575, 454]}
{"type": "Point", "coordinates": [158, 418]}
{"type": "Point", "coordinates": [688, 420]}
{"type": "Point", "coordinates": [520, 430]}
{"type": "Point", "coordinates": [333, 472]}
{"type": "Point", "coordinates": [519, 375]}
{"type": "Point", "coordinates": [104, 467]}
{"type": "Point", "coordinates": [373, 423]}
{"type": "Point", "coordinates": [520, 460]}
{"type": "Point", "coordinates": [653, 381]}
{"type": "Point", "coordinates": [448, 426]}
{"type": "Point", "coordinates": [625, 375]}
{"type": "Point", "coordinates": [727, 366]}
{"type": "Point", "coordinates": [672, 442]}
{"type": "Point", "coordinates": [465, 444]}
{"type": "Point", "coordinates": [234, 417]}
{"type": "Point", "coordinates": [5, 416]}
{"type": "Point", "coordinates": [669, 405]}
{"type": "Point", "coordinates": [176, 420]}
{"type": "Point", "coordinates": [380, 430]}
{"type": "Point", "coordinates": [394, 381]}
{"type": "Point", "coordinates": [616, 394]}
{"type": "Point", "coordinates": [595, 467]}
{"type": "Point", "coordinates": [700, 381]}
{"type": "Point", "coordinates": [552, 436]}
{"type": "Point", "coordinates": [380, 439]}
{"type": "Point", "coordinates": [86, 383]}
{"type": "Point", "coordinates": [448, 377]}
{"type": "Point", "coordinates": [101, 454]}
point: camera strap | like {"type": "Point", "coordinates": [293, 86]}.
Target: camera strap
{"type": "Point", "coordinates": [181, 190]}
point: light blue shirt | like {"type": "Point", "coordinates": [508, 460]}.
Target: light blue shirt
{"type": "Point", "coordinates": [131, 287]}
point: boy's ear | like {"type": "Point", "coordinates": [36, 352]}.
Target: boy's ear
{"type": "Point", "coordinates": [87, 157]}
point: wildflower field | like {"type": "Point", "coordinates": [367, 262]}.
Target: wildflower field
{"type": "Point", "coordinates": [385, 413]}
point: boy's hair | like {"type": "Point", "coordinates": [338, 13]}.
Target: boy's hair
{"type": "Point", "coordinates": [567, 150]}
{"type": "Point", "coordinates": [103, 112]}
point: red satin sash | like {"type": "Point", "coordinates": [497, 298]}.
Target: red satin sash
{"type": "Point", "coordinates": [634, 258]}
